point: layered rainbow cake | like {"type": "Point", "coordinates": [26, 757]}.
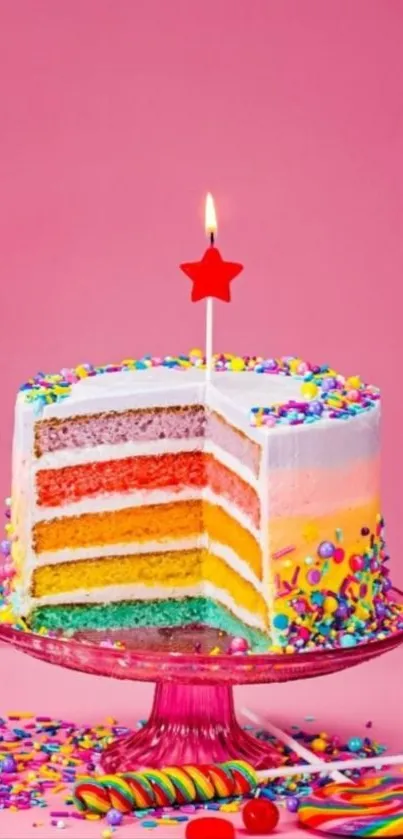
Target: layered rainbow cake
{"type": "Point", "coordinates": [144, 495]}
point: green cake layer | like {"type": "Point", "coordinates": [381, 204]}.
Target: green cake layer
{"type": "Point", "coordinates": [144, 613]}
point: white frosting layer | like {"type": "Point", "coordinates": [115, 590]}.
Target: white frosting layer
{"type": "Point", "coordinates": [164, 386]}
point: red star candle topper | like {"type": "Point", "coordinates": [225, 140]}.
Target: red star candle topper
{"type": "Point", "coordinates": [211, 277]}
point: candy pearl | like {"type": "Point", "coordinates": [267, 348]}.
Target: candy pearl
{"type": "Point", "coordinates": [210, 827]}
{"type": "Point", "coordinates": [326, 550]}
{"type": "Point", "coordinates": [60, 824]}
{"type": "Point", "coordinates": [237, 364]}
{"type": "Point", "coordinates": [380, 610]}
{"type": "Point", "coordinates": [260, 816]}
{"type": "Point", "coordinates": [300, 606]}
{"type": "Point", "coordinates": [309, 390]}
{"type": "Point", "coordinates": [328, 383]}
{"type": "Point", "coordinates": [114, 817]}
{"type": "Point", "coordinates": [319, 744]}
{"type": "Point", "coordinates": [330, 605]}
{"type": "Point", "coordinates": [280, 621]}
{"type": "Point", "coordinates": [292, 804]}
{"type": "Point", "coordinates": [338, 555]}
{"type": "Point", "coordinates": [313, 577]}
{"type": "Point", "coordinates": [356, 563]}
{"type": "Point", "coordinates": [8, 764]}
{"type": "Point", "coordinates": [355, 744]}
{"type": "Point", "coordinates": [238, 645]}
{"type": "Point", "coordinates": [5, 547]}
{"type": "Point", "coordinates": [353, 395]}
{"type": "Point", "coordinates": [302, 368]}
{"type": "Point", "coordinates": [348, 641]}
{"type": "Point", "coordinates": [316, 408]}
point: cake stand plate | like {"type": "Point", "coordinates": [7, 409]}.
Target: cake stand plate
{"type": "Point", "coordinates": [192, 718]}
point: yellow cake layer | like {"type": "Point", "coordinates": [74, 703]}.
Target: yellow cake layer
{"type": "Point", "coordinates": [158, 522]}
{"type": "Point", "coordinates": [170, 569]}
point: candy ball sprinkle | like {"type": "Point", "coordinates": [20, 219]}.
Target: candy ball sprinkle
{"type": "Point", "coordinates": [114, 817]}
{"type": "Point", "coordinates": [260, 816]}
{"type": "Point", "coordinates": [355, 744]}
{"type": "Point", "coordinates": [238, 645]}
{"type": "Point", "coordinates": [326, 550]}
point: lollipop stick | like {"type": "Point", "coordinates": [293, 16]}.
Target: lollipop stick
{"type": "Point", "coordinates": [333, 767]}
{"type": "Point", "coordinates": [296, 747]}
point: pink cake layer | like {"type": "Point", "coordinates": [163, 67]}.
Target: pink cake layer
{"type": "Point", "coordinates": [233, 441]}
{"type": "Point", "coordinates": [119, 427]}
{"type": "Point", "coordinates": [173, 423]}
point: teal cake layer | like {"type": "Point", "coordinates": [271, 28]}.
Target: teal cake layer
{"type": "Point", "coordinates": [141, 613]}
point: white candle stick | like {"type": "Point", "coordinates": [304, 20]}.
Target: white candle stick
{"type": "Point", "coordinates": [296, 747]}
{"type": "Point", "coordinates": [210, 223]}
{"type": "Point", "coordinates": [209, 338]}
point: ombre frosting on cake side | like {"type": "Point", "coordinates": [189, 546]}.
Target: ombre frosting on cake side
{"type": "Point", "coordinates": [148, 497]}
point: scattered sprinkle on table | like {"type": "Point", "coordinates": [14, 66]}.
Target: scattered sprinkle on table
{"type": "Point", "coordinates": [41, 758]}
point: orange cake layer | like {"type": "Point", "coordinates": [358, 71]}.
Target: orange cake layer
{"type": "Point", "coordinates": [157, 522]}
{"type": "Point", "coordinates": [170, 569]}
{"type": "Point", "coordinates": [56, 487]}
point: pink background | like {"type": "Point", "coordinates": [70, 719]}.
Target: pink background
{"type": "Point", "coordinates": [116, 117]}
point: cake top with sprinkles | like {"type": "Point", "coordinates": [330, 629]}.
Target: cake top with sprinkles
{"type": "Point", "coordinates": [321, 393]}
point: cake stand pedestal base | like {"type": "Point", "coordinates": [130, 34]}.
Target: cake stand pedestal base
{"type": "Point", "coordinates": [189, 724]}
{"type": "Point", "coordinates": [192, 719]}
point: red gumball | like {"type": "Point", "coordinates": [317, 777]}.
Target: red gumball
{"type": "Point", "coordinates": [210, 828]}
{"type": "Point", "coordinates": [260, 816]}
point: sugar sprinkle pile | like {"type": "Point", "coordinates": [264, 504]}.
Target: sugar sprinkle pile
{"type": "Point", "coordinates": [41, 758]}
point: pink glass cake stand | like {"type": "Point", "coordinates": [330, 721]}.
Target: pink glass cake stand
{"type": "Point", "coordinates": [192, 718]}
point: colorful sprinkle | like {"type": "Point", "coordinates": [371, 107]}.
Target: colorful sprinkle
{"type": "Point", "coordinates": [325, 394]}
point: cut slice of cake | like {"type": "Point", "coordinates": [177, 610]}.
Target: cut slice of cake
{"type": "Point", "coordinates": [144, 496]}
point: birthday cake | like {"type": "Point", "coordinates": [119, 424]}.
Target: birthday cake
{"type": "Point", "coordinates": [144, 495]}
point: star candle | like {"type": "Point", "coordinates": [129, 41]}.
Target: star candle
{"type": "Point", "coordinates": [211, 277]}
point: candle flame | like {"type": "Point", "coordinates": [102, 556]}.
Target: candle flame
{"type": "Point", "coordinates": [210, 217]}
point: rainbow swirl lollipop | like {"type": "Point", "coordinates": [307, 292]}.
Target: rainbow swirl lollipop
{"type": "Point", "coordinates": [153, 788]}
{"type": "Point", "coordinates": [371, 807]}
